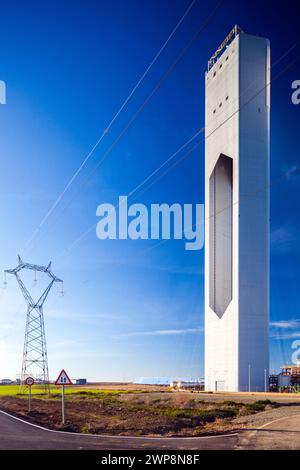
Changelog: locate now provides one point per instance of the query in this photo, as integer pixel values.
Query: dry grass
(130, 411)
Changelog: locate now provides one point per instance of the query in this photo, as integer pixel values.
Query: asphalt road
(19, 435)
(279, 434)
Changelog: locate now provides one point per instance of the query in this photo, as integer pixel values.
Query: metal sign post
(29, 381)
(63, 379)
(29, 398)
(63, 403)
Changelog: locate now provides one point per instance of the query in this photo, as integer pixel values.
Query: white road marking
(115, 437)
(271, 422)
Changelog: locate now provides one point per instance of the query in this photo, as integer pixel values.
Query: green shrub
(254, 407)
(231, 403)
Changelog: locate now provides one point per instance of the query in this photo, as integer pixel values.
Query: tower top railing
(231, 36)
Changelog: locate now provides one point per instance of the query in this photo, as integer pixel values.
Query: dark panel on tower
(220, 229)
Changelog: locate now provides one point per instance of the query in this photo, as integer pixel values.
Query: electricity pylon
(35, 360)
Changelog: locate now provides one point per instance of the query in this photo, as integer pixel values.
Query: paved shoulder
(279, 434)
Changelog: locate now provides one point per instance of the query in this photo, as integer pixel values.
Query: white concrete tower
(237, 114)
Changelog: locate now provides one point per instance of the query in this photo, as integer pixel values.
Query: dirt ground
(122, 416)
(129, 409)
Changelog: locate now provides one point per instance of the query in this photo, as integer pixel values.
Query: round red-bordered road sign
(29, 381)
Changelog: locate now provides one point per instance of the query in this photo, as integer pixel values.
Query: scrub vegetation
(129, 411)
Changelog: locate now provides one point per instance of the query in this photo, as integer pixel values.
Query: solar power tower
(35, 360)
(237, 207)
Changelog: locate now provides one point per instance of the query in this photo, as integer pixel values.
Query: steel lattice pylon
(35, 360)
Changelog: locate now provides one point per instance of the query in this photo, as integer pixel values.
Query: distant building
(187, 385)
(168, 381)
(273, 383)
(287, 381)
(289, 377)
(153, 381)
(6, 382)
(80, 381)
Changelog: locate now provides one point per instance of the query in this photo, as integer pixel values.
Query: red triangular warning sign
(63, 379)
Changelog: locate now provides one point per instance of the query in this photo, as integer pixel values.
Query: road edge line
(252, 433)
(111, 436)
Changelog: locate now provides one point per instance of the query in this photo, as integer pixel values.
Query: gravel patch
(257, 420)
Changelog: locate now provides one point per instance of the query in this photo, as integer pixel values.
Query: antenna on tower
(35, 359)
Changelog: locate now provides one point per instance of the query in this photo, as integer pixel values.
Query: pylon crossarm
(33, 267)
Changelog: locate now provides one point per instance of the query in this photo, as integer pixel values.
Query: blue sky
(131, 308)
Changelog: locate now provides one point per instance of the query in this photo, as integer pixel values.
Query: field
(37, 390)
(127, 409)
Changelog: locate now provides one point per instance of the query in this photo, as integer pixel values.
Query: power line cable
(106, 130)
(290, 65)
(212, 132)
(141, 108)
(172, 156)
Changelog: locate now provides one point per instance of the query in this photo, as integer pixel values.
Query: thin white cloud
(291, 335)
(282, 235)
(284, 238)
(285, 324)
(162, 332)
(292, 172)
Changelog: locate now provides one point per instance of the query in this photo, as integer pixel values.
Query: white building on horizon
(237, 114)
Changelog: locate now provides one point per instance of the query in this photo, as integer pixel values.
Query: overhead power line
(132, 192)
(106, 130)
(284, 70)
(202, 27)
(171, 157)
